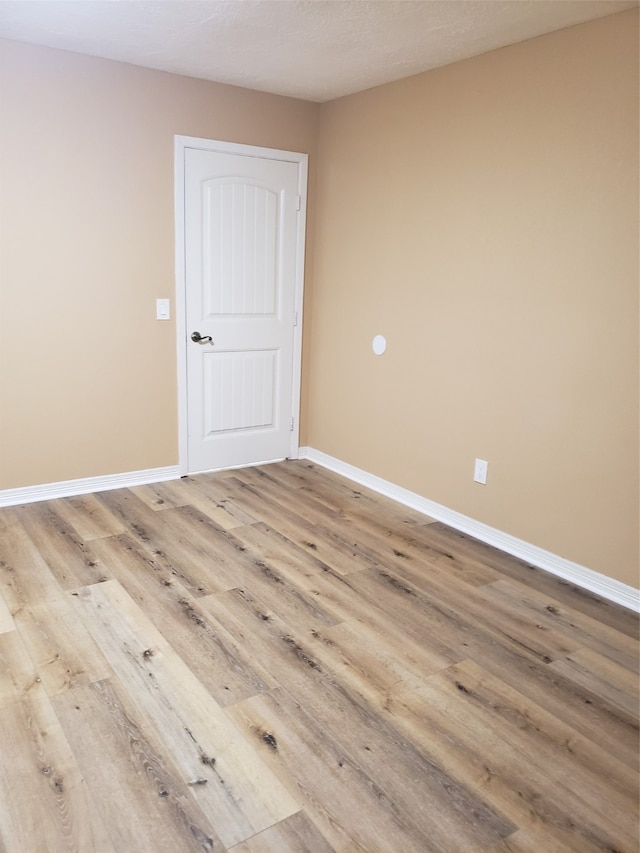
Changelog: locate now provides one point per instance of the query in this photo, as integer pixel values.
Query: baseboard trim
(581, 576)
(69, 488)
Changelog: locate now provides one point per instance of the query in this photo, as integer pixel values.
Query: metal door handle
(197, 338)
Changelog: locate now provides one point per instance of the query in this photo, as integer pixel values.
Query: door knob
(197, 338)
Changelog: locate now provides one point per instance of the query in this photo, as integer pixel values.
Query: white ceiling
(312, 49)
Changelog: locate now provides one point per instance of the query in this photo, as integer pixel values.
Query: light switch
(163, 309)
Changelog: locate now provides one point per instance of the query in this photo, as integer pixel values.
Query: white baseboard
(68, 488)
(602, 585)
(581, 576)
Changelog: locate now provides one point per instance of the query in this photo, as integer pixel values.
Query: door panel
(241, 390)
(240, 265)
(239, 257)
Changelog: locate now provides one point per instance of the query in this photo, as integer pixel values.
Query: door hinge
(299, 202)
(292, 425)
(295, 318)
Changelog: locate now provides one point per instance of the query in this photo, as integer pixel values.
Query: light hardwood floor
(273, 659)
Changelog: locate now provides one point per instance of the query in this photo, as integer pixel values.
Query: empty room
(319, 426)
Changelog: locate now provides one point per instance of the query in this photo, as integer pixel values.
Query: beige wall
(88, 376)
(484, 218)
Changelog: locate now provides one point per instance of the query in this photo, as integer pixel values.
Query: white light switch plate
(163, 309)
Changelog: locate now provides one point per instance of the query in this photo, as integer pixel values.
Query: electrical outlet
(480, 471)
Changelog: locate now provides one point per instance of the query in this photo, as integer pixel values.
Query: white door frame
(182, 143)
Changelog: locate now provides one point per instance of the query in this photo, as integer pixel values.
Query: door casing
(302, 160)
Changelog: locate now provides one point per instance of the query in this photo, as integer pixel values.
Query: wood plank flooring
(273, 660)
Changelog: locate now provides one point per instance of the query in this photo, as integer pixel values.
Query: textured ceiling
(312, 49)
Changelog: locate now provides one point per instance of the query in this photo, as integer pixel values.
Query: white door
(242, 266)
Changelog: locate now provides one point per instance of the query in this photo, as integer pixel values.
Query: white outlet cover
(480, 471)
(379, 344)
